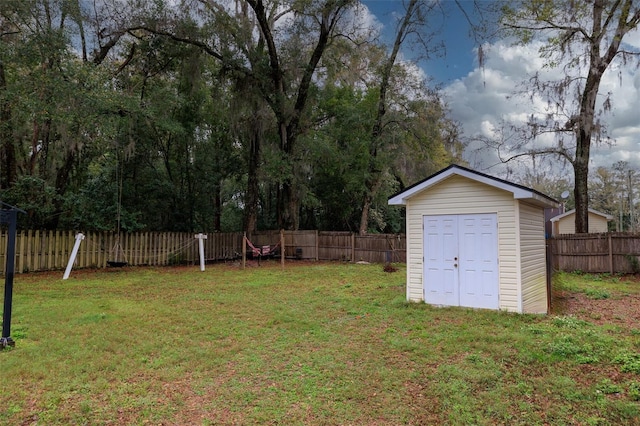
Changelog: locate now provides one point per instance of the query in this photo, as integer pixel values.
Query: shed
(566, 223)
(476, 241)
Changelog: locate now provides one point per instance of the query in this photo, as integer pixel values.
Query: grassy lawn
(317, 344)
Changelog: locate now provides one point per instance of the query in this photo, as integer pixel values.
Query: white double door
(461, 260)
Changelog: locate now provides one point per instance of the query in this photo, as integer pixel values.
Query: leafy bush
(607, 387)
(634, 391)
(597, 294)
(569, 322)
(37, 198)
(629, 361)
(565, 347)
(634, 263)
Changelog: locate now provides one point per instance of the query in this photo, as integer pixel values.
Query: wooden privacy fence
(50, 250)
(612, 252)
(345, 246)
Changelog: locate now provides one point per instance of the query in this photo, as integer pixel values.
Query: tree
(8, 162)
(415, 17)
(586, 39)
(279, 60)
(187, 115)
(548, 181)
(250, 122)
(611, 190)
(339, 156)
(51, 99)
(416, 139)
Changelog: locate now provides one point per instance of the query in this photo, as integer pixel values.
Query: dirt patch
(616, 308)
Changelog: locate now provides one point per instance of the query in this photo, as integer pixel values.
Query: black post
(10, 217)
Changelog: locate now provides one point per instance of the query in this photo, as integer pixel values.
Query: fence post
(353, 247)
(282, 248)
(244, 250)
(610, 254)
(23, 238)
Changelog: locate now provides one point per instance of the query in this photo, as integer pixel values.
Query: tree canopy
(209, 115)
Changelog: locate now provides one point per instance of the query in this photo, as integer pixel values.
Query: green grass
(310, 344)
(596, 286)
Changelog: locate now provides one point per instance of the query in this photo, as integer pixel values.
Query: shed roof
(519, 192)
(570, 212)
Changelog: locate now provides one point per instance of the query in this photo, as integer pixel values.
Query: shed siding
(533, 259)
(459, 195)
(567, 224)
(597, 223)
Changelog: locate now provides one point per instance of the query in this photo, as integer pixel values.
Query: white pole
(201, 237)
(74, 253)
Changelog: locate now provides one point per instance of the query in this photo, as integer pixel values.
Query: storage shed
(476, 241)
(566, 223)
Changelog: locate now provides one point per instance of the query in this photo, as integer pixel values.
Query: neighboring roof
(570, 212)
(519, 192)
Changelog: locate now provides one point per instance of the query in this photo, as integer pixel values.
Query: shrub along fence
(50, 250)
(611, 252)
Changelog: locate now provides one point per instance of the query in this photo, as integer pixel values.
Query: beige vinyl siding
(508, 248)
(533, 259)
(415, 291)
(567, 224)
(597, 223)
(459, 195)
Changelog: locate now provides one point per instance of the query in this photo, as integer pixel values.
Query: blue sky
(459, 57)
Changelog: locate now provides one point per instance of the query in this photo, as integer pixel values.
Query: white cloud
(365, 19)
(633, 38)
(486, 96)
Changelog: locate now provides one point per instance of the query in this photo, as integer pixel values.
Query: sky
(458, 56)
(479, 98)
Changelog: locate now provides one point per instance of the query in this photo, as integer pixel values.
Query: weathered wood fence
(50, 250)
(612, 252)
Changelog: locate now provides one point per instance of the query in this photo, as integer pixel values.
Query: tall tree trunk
(597, 66)
(374, 181)
(288, 206)
(586, 122)
(253, 188)
(288, 203)
(581, 195)
(581, 162)
(62, 183)
(217, 207)
(372, 190)
(45, 145)
(35, 137)
(8, 163)
(76, 12)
